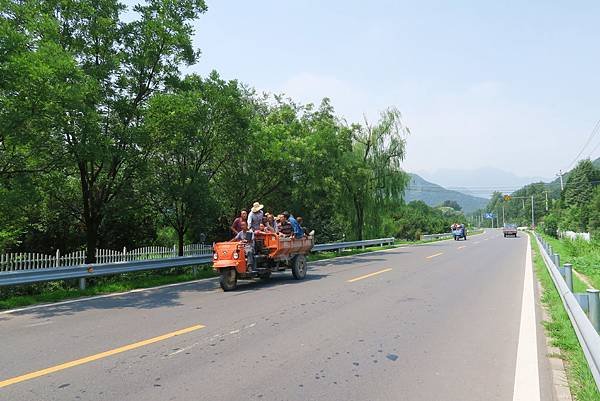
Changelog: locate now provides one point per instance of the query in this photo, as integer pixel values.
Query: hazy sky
(513, 85)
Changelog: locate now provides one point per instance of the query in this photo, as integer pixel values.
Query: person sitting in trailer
(296, 228)
(284, 226)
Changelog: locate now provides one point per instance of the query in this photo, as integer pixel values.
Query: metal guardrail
(98, 269)
(574, 305)
(84, 271)
(427, 237)
(353, 244)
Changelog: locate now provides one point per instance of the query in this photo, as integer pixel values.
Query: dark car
(510, 230)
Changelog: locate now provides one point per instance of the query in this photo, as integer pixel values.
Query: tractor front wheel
(228, 279)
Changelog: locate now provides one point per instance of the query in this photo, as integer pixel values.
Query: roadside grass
(578, 285)
(583, 255)
(560, 330)
(55, 291)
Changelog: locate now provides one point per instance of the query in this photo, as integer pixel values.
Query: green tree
(580, 184)
(453, 204)
(195, 132)
(594, 208)
(79, 78)
(373, 180)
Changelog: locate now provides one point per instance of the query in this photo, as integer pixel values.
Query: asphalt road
(436, 322)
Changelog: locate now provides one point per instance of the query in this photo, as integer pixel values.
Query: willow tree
(372, 177)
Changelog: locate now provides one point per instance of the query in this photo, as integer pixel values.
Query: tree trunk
(180, 235)
(360, 219)
(91, 215)
(91, 242)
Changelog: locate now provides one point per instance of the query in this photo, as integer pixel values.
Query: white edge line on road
(527, 377)
(115, 294)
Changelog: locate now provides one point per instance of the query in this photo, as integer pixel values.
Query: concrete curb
(562, 391)
(560, 382)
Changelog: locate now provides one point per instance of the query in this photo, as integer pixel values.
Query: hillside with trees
(575, 208)
(432, 194)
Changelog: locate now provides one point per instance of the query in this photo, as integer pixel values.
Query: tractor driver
(247, 238)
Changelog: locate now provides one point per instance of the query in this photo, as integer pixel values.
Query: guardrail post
(594, 308)
(82, 283)
(557, 259)
(550, 249)
(569, 276)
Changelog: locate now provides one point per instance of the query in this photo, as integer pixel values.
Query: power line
(594, 150)
(592, 135)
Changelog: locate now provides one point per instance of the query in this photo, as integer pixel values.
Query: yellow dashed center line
(434, 255)
(369, 275)
(95, 357)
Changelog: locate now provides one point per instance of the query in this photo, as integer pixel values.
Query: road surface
(451, 320)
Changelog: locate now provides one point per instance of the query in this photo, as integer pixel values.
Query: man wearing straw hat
(255, 217)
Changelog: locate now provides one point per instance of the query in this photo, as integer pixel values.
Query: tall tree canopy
(77, 79)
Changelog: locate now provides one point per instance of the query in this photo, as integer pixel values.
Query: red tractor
(272, 253)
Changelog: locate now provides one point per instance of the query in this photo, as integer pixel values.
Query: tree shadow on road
(165, 297)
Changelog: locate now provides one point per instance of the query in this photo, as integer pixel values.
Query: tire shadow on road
(276, 280)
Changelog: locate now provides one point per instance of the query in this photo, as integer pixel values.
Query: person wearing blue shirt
(298, 231)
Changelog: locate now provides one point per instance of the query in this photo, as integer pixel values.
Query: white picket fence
(30, 261)
(573, 235)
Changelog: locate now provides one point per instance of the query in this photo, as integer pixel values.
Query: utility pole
(532, 214)
(560, 175)
(546, 192)
(503, 222)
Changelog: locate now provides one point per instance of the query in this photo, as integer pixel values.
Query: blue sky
(511, 85)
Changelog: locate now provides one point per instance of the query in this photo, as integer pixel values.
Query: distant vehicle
(272, 253)
(510, 230)
(459, 231)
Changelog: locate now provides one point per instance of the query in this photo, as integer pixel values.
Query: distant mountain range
(434, 195)
(480, 182)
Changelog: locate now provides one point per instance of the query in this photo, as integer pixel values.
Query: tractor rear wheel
(299, 267)
(228, 279)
